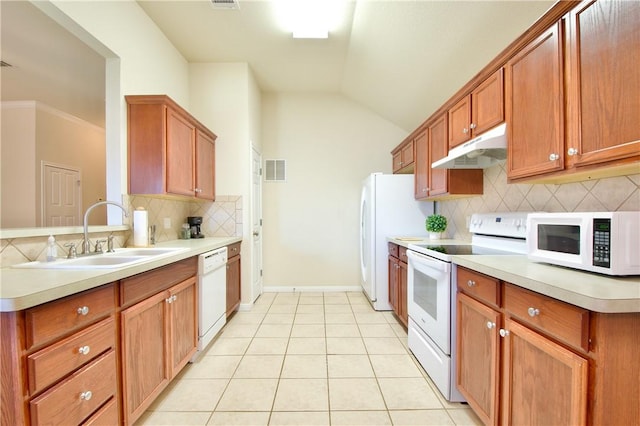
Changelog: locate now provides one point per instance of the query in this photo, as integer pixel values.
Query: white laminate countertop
(596, 292)
(22, 288)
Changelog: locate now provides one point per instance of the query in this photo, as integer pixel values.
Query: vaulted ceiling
(402, 59)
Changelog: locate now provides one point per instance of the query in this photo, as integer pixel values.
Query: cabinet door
(233, 284)
(180, 154)
(438, 149)
(459, 121)
(534, 107)
(478, 357)
(543, 383)
(403, 313)
(407, 154)
(487, 104)
(393, 283)
(604, 89)
(183, 330)
(145, 364)
(422, 166)
(205, 166)
(397, 161)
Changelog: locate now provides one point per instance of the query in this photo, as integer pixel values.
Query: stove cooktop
(444, 251)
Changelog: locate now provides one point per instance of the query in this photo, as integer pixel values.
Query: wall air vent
(225, 4)
(275, 170)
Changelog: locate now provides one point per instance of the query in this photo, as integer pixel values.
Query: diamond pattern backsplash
(620, 193)
(222, 218)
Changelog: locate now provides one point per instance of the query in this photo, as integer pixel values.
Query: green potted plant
(436, 225)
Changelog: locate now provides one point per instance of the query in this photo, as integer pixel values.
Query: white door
(61, 195)
(256, 219)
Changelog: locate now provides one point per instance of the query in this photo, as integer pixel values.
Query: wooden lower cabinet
(523, 358)
(233, 278)
(159, 336)
(398, 282)
(543, 382)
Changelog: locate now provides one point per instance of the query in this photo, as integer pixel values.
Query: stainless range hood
(486, 150)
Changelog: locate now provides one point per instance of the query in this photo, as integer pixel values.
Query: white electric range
(431, 289)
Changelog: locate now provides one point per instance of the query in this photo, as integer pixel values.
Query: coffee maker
(195, 222)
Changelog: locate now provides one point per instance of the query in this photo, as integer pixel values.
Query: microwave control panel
(602, 243)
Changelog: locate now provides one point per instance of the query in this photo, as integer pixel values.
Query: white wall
(224, 98)
(140, 61)
(311, 221)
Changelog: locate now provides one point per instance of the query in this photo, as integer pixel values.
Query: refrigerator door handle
(362, 233)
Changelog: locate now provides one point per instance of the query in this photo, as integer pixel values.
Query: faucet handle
(72, 250)
(99, 246)
(110, 243)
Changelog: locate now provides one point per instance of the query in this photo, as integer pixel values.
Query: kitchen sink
(120, 258)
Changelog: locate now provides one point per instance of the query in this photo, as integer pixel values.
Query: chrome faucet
(86, 244)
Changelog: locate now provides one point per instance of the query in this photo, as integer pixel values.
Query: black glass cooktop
(467, 249)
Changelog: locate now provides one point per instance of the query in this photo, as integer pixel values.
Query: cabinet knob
(471, 283)
(503, 332)
(533, 312)
(424, 189)
(465, 130)
(84, 350)
(84, 310)
(86, 395)
(197, 190)
(491, 325)
(572, 151)
(553, 157)
(472, 126)
(171, 299)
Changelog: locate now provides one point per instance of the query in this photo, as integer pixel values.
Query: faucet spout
(86, 244)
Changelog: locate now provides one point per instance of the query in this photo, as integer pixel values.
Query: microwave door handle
(429, 261)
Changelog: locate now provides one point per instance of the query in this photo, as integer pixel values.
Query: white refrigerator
(387, 209)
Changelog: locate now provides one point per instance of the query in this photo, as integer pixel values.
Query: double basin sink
(118, 259)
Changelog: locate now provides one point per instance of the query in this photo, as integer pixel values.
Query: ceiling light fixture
(309, 18)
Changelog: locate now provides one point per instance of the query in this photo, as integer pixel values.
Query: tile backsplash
(222, 218)
(620, 193)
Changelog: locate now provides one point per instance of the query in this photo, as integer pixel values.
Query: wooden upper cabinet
(205, 166)
(437, 150)
(180, 154)
(170, 152)
(604, 88)
(477, 112)
(535, 107)
(403, 157)
(422, 165)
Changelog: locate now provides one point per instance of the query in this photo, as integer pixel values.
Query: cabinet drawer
(47, 322)
(233, 249)
(403, 254)
(482, 287)
(142, 286)
(69, 402)
(393, 250)
(56, 361)
(565, 322)
(107, 415)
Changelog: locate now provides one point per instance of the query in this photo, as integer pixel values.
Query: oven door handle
(430, 262)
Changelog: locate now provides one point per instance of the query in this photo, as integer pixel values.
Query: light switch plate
(167, 223)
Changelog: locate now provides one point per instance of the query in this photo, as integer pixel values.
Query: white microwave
(602, 242)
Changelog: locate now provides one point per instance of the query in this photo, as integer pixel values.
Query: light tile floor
(307, 359)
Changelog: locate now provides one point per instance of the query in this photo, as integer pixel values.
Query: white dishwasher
(212, 296)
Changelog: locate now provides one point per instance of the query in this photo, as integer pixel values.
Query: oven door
(429, 297)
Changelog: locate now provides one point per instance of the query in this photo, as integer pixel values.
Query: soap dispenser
(52, 250)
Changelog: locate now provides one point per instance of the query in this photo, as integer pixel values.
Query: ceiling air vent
(225, 4)
(275, 170)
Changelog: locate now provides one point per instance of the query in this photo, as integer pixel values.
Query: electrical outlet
(167, 223)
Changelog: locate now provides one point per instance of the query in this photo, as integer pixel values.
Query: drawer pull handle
(471, 283)
(86, 395)
(533, 312)
(490, 325)
(171, 299)
(83, 310)
(84, 350)
(503, 332)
